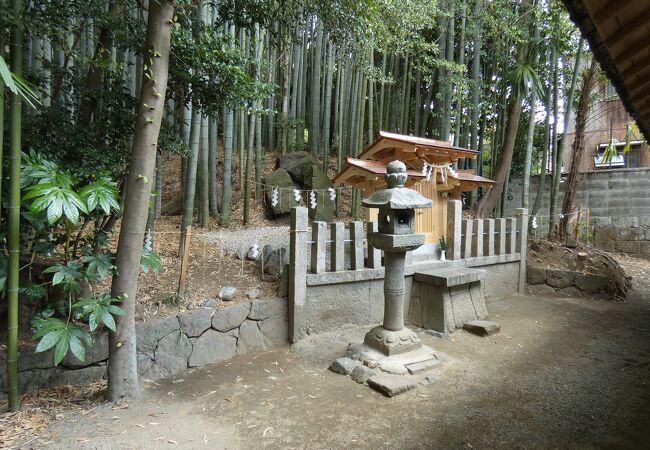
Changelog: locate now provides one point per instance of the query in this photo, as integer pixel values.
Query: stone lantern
(395, 237)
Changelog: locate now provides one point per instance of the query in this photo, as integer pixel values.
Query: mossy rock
(296, 164)
(318, 180)
(279, 178)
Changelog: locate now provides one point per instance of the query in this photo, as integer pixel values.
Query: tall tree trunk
(327, 115)
(448, 87)
(418, 103)
(530, 136)
(204, 206)
(157, 204)
(123, 380)
(286, 63)
(461, 62)
(228, 142)
(190, 175)
(251, 133)
(259, 43)
(295, 90)
(337, 93)
(393, 94)
(95, 74)
(302, 97)
(2, 116)
(314, 125)
(553, 154)
(213, 147)
(541, 187)
(568, 107)
(403, 107)
(371, 101)
(487, 203)
(440, 78)
(13, 235)
(588, 83)
(382, 92)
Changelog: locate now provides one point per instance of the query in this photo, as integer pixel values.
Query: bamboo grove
(246, 78)
(246, 83)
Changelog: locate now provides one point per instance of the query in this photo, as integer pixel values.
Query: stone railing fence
(485, 238)
(334, 275)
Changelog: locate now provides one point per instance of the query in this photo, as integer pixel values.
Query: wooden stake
(184, 260)
(577, 225)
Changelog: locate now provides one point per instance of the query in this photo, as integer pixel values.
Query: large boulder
(318, 180)
(296, 164)
(279, 178)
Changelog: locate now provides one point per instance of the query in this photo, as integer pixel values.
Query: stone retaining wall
(623, 234)
(564, 282)
(165, 346)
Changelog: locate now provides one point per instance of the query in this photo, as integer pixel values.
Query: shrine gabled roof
(374, 167)
(389, 146)
(360, 173)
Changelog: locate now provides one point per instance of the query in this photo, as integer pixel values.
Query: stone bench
(444, 300)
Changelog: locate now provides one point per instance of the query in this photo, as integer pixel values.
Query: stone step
(391, 385)
(423, 366)
(482, 327)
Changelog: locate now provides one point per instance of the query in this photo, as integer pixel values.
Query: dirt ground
(563, 373)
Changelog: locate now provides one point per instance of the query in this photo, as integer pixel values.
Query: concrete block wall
(618, 201)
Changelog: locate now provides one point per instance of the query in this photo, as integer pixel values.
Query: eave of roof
(580, 15)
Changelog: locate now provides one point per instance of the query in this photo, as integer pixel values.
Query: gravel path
(563, 373)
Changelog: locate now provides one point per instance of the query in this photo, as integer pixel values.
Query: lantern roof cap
(396, 196)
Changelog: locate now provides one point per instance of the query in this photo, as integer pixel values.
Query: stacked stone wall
(165, 346)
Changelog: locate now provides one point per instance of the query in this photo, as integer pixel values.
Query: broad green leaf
(57, 278)
(77, 348)
(48, 341)
(61, 347)
(150, 261)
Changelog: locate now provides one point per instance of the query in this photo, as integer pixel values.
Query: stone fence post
(374, 254)
(297, 272)
(356, 246)
(454, 224)
(522, 245)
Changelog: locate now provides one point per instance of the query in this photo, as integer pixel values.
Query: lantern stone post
(395, 236)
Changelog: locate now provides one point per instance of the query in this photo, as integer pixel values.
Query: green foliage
(56, 201)
(150, 261)
(63, 336)
(442, 243)
(68, 275)
(64, 211)
(213, 74)
(99, 310)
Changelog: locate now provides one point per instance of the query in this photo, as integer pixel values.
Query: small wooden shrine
(430, 171)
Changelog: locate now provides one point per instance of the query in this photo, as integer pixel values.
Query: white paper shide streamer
(296, 195)
(332, 194)
(312, 200)
(275, 197)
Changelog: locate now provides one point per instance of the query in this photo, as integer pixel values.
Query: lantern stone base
(390, 375)
(392, 342)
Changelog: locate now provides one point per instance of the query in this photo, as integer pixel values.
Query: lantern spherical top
(396, 174)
